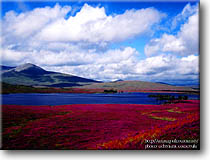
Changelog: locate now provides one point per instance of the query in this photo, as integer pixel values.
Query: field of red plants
(102, 126)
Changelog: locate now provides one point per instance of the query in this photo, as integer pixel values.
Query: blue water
(66, 98)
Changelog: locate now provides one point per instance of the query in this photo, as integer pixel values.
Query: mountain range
(31, 75)
(138, 86)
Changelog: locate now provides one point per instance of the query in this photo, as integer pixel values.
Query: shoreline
(101, 92)
(174, 102)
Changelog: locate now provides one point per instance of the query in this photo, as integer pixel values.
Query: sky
(105, 40)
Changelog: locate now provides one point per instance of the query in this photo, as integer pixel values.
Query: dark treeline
(168, 97)
(110, 91)
(10, 88)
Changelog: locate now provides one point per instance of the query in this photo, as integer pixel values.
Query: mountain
(165, 83)
(5, 68)
(119, 80)
(31, 75)
(135, 86)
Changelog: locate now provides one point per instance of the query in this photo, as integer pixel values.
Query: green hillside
(32, 75)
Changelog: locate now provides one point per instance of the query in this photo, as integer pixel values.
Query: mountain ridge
(32, 75)
(135, 86)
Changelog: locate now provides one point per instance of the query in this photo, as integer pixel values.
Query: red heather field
(99, 126)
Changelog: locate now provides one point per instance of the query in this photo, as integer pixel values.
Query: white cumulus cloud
(17, 27)
(93, 25)
(79, 44)
(187, 11)
(185, 42)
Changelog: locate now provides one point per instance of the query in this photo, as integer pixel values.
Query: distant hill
(119, 80)
(10, 88)
(137, 86)
(165, 83)
(32, 75)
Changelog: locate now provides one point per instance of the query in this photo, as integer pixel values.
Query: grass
(97, 126)
(162, 118)
(174, 110)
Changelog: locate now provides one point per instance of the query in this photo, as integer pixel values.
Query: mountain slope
(32, 75)
(5, 68)
(137, 86)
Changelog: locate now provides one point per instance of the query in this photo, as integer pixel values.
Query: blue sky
(152, 41)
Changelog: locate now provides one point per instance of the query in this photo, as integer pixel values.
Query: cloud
(188, 11)
(93, 25)
(12, 57)
(158, 68)
(185, 42)
(107, 65)
(79, 44)
(17, 27)
(167, 43)
(112, 64)
(90, 24)
(77, 40)
(47, 33)
(168, 67)
(162, 63)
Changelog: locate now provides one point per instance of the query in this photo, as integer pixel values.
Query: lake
(66, 98)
